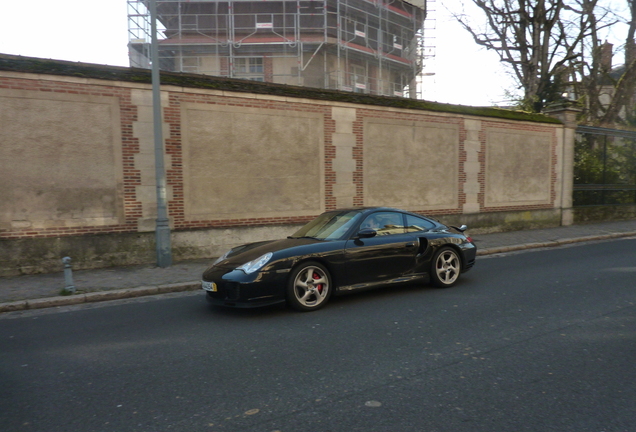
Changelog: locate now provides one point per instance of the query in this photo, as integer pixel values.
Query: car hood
(248, 252)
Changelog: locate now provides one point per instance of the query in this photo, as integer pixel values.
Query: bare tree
(606, 94)
(625, 83)
(555, 46)
(528, 38)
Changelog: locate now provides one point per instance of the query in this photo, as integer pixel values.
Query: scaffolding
(366, 46)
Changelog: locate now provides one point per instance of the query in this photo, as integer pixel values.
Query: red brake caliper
(316, 276)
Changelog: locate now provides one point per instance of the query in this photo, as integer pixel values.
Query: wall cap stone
(40, 66)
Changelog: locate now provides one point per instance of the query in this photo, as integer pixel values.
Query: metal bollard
(68, 275)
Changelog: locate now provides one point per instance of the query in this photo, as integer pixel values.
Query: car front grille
(232, 291)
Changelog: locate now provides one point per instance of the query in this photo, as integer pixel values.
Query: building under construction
(368, 46)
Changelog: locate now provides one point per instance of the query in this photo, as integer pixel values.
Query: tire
(446, 267)
(309, 287)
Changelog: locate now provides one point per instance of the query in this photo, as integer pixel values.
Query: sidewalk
(42, 291)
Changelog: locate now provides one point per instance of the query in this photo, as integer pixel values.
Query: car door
(384, 257)
(419, 228)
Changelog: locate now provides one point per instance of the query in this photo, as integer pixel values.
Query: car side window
(415, 224)
(385, 223)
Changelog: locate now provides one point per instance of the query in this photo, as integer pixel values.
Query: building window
(358, 79)
(190, 64)
(248, 66)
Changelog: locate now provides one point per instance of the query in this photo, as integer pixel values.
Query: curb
(99, 296)
(553, 243)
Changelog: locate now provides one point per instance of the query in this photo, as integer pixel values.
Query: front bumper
(234, 288)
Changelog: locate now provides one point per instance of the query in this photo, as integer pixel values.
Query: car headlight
(252, 266)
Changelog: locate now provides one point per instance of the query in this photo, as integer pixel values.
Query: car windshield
(329, 226)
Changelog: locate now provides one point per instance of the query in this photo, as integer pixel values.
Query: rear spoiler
(460, 228)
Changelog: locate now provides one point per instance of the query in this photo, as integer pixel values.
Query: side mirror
(367, 233)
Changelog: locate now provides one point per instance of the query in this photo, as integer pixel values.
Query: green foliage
(589, 161)
(608, 166)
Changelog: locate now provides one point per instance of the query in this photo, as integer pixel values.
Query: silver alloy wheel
(311, 286)
(447, 267)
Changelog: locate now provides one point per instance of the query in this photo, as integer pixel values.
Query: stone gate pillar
(565, 180)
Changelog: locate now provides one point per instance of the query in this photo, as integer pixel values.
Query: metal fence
(604, 167)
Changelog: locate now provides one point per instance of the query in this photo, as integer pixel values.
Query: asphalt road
(533, 341)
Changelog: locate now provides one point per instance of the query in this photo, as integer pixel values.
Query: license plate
(208, 286)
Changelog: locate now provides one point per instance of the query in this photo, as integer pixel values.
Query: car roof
(367, 209)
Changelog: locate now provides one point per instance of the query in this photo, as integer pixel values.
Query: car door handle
(411, 244)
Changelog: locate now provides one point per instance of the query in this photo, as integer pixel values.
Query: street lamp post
(162, 229)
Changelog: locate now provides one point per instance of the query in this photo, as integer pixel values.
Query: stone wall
(77, 159)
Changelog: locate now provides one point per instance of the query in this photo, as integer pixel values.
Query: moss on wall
(44, 255)
(591, 214)
(115, 73)
(484, 223)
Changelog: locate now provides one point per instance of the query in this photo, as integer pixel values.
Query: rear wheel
(446, 267)
(309, 287)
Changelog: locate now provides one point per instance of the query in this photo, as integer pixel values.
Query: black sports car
(340, 251)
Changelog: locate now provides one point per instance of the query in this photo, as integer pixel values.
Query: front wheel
(309, 287)
(446, 268)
